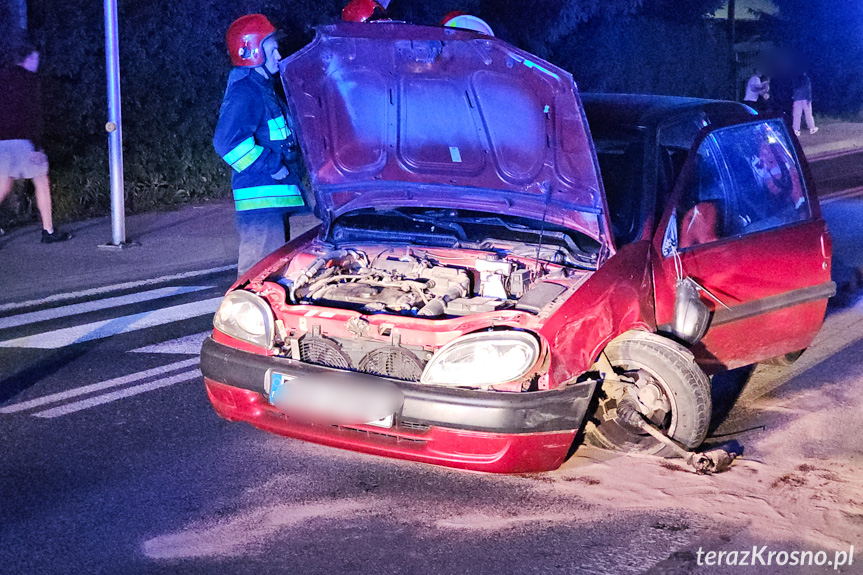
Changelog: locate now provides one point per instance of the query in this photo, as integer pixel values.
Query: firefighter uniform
(254, 137)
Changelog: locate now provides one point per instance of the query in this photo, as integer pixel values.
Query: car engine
(414, 284)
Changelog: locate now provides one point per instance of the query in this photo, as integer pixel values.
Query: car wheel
(787, 359)
(668, 378)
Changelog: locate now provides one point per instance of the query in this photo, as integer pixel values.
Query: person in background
(21, 154)
(757, 91)
(802, 97)
(254, 137)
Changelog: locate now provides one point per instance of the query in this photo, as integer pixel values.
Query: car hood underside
(399, 115)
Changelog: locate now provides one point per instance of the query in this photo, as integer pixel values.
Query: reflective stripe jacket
(254, 137)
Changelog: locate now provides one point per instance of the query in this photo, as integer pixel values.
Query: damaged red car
(492, 278)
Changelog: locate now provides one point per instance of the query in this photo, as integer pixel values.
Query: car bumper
(475, 430)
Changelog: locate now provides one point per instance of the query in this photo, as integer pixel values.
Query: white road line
(111, 327)
(107, 384)
(115, 287)
(119, 394)
(79, 308)
(189, 345)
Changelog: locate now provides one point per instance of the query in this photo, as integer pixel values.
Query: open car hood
(392, 115)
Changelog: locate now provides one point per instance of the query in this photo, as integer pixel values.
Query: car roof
(649, 111)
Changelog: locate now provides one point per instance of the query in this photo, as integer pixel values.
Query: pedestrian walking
(802, 106)
(254, 136)
(21, 153)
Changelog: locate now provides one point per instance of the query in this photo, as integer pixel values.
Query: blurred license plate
(279, 385)
(276, 382)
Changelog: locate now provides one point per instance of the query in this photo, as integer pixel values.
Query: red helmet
(362, 11)
(451, 15)
(244, 38)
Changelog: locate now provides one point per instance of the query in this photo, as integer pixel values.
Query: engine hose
(437, 306)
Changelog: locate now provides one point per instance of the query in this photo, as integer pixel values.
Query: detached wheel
(668, 381)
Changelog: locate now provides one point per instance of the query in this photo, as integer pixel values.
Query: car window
(745, 179)
(681, 133)
(674, 139)
(621, 163)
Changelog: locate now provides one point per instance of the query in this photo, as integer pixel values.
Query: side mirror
(691, 315)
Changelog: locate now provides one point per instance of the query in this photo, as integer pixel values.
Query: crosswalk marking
(189, 345)
(95, 394)
(116, 287)
(79, 308)
(116, 326)
(107, 384)
(119, 394)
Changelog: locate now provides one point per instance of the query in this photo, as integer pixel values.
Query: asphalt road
(115, 463)
(838, 174)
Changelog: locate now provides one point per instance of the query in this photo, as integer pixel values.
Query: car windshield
(506, 235)
(621, 161)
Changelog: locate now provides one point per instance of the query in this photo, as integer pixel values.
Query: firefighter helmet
(459, 19)
(244, 38)
(362, 11)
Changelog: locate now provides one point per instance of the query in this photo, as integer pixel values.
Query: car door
(745, 226)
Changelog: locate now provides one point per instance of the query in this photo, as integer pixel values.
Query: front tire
(651, 360)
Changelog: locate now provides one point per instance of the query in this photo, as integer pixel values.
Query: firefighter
(255, 138)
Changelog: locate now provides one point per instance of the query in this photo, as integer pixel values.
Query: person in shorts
(21, 154)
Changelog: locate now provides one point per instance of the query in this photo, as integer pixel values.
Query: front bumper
(467, 429)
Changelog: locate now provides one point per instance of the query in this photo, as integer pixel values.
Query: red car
(478, 294)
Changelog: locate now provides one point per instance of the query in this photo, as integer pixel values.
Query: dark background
(174, 66)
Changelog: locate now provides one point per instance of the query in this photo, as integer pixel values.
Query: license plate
(279, 384)
(275, 381)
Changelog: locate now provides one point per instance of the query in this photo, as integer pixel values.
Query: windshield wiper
(342, 233)
(433, 221)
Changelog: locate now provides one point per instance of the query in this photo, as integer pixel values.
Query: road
(839, 174)
(114, 462)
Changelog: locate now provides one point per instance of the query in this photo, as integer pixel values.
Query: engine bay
(409, 281)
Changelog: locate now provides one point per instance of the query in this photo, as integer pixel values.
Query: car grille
(413, 425)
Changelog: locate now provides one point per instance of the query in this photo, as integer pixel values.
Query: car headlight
(483, 359)
(246, 317)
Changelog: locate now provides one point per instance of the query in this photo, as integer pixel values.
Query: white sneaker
(813, 130)
(797, 133)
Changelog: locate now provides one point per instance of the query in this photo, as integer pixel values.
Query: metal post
(732, 39)
(114, 127)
